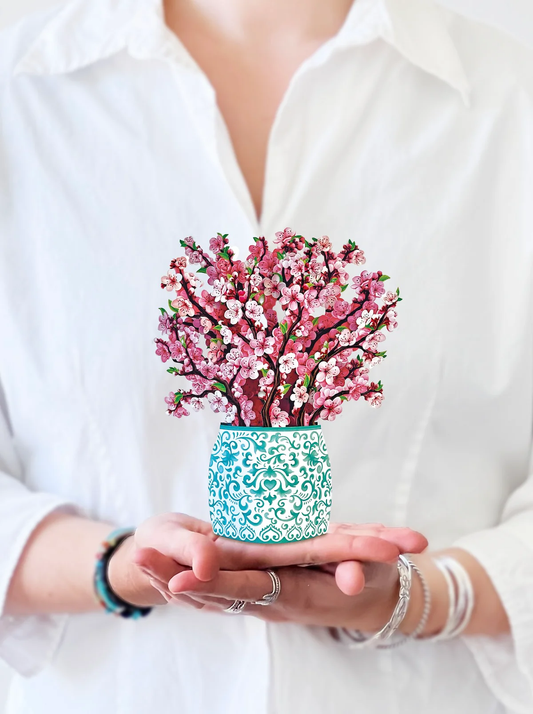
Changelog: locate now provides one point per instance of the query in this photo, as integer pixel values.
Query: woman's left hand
(309, 595)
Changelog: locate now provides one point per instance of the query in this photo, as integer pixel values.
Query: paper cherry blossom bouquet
(274, 343)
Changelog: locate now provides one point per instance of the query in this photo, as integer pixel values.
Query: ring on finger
(271, 597)
(236, 607)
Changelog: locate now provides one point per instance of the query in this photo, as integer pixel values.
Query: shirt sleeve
(506, 553)
(26, 643)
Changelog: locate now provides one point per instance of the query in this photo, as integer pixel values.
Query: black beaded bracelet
(105, 595)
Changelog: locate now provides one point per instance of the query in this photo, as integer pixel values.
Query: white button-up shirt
(409, 132)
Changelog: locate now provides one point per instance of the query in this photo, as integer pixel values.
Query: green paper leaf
(170, 306)
(343, 398)
(163, 311)
(307, 380)
(285, 388)
(220, 386)
(344, 287)
(382, 278)
(293, 338)
(178, 396)
(316, 320)
(173, 370)
(284, 327)
(202, 270)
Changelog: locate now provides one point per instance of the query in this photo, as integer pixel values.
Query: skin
(249, 49)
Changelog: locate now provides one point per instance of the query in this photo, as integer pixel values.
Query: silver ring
(236, 607)
(271, 597)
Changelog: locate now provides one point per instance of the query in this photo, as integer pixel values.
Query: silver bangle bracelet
(423, 619)
(427, 605)
(461, 598)
(355, 639)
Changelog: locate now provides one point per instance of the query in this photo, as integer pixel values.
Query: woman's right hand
(168, 544)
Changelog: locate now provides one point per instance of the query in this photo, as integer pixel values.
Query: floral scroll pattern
(269, 485)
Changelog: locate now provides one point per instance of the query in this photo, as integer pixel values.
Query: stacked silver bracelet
(357, 640)
(461, 599)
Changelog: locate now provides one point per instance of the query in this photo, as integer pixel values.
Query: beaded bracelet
(105, 596)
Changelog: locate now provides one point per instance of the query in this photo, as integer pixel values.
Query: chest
(99, 213)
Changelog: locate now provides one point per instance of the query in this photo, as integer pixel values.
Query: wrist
(127, 581)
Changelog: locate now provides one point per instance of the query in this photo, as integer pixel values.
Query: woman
(127, 125)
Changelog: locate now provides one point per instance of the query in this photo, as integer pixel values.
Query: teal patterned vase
(269, 484)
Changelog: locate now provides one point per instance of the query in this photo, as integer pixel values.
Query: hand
(309, 596)
(169, 544)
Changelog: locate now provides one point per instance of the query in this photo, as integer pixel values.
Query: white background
(514, 16)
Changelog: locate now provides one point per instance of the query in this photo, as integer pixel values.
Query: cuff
(27, 643)
(506, 662)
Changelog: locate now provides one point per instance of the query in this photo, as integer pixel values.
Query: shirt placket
(152, 39)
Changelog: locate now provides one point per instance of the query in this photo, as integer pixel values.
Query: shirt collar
(84, 32)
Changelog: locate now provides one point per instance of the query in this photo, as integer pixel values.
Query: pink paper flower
(271, 286)
(217, 401)
(255, 312)
(247, 410)
(375, 399)
(291, 297)
(238, 329)
(279, 417)
(327, 371)
(287, 363)
(299, 396)
(262, 344)
(324, 243)
(332, 409)
(216, 244)
(233, 311)
(183, 307)
(162, 350)
(170, 281)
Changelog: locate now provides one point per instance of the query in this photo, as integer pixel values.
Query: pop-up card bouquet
(273, 343)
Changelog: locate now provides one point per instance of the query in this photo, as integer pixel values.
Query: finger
(218, 603)
(160, 589)
(195, 525)
(247, 585)
(350, 577)
(187, 601)
(151, 561)
(188, 547)
(175, 599)
(406, 539)
(329, 548)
